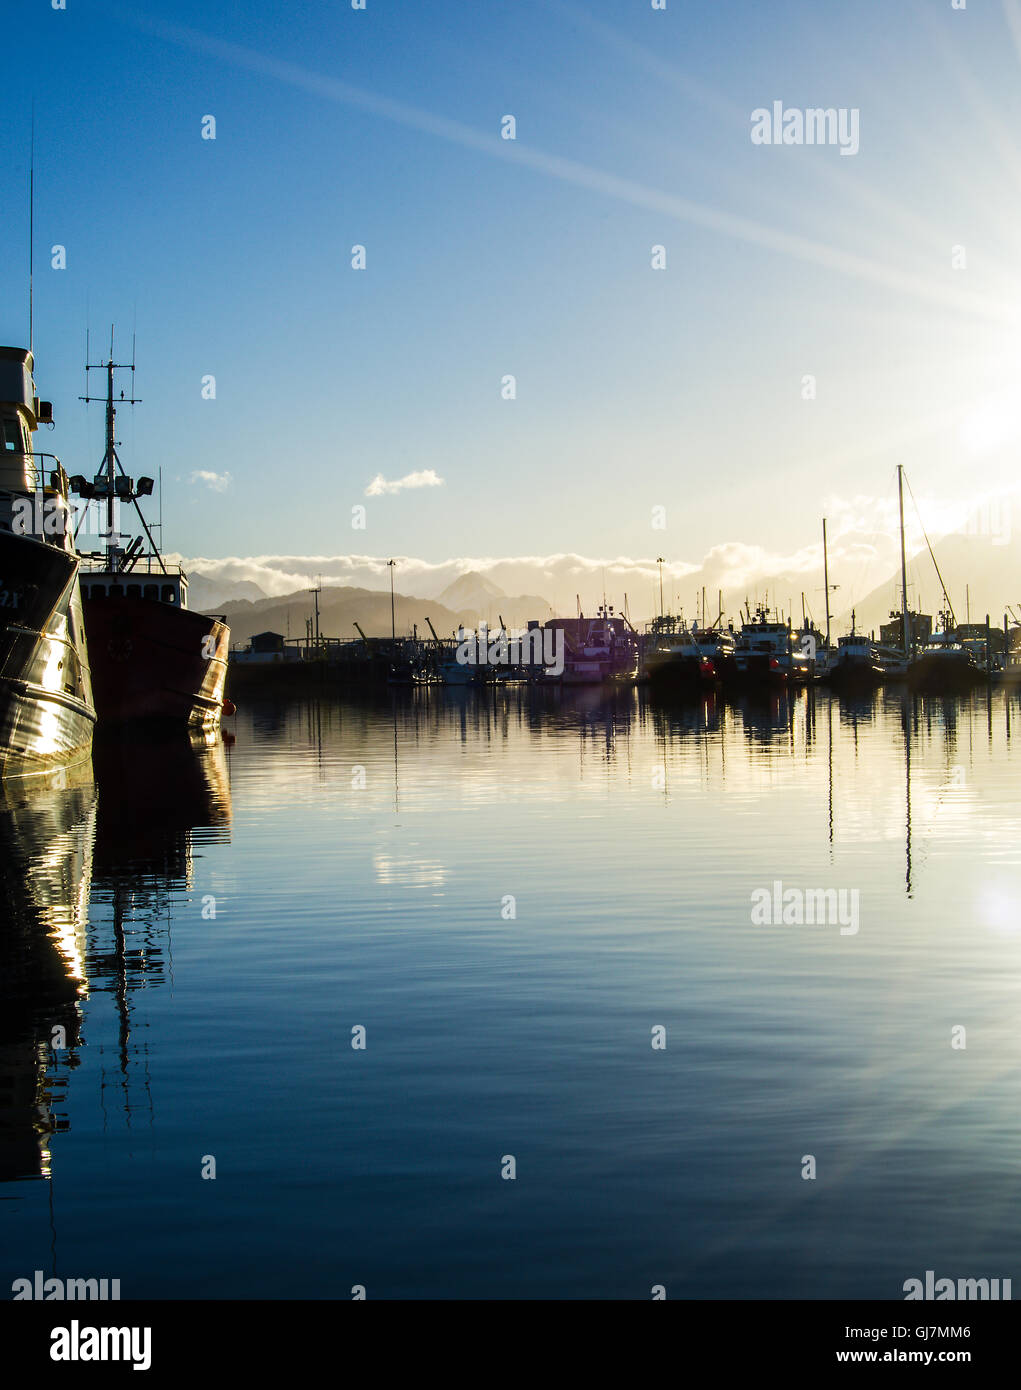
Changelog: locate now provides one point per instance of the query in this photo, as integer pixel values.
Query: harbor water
(513, 993)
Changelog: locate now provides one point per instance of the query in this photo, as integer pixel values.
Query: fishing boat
(47, 714)
(941, 663)
(152, 657)
(669, 656)
(945, 665)
(461, 660)
(856, 663)
(718, 649)
(765, 652)
(678, 657)
(596, 650)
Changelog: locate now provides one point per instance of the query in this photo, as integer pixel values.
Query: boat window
(97, 591)
(169, 593)
(10, 435)
(116, 590)
(134, 591)
(151, 591)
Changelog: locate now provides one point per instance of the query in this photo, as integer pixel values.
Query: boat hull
(153, 661)
(763, 669)
(939, 675)
(668, 671)
(47, 714)
(855, 676)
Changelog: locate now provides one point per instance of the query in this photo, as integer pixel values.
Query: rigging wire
(946, 596)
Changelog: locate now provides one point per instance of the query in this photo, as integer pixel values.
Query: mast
(31, 231)
(903, 565)
(105, 486)
(316, 590)
(111, 544)
(826, 579)
(393, 618)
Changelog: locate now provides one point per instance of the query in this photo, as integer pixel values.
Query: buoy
(229, 707)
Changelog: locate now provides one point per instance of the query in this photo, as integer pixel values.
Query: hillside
(341, 608)
(979, 563)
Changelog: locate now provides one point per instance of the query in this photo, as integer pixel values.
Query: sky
(658, 411)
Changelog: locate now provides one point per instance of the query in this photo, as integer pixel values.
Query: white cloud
(217, 482)
(380, 486)
(863, 554)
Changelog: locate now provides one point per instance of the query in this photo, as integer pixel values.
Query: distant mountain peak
(205, 592)
(470, 589)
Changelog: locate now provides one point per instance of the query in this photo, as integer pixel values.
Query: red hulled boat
(152, 657)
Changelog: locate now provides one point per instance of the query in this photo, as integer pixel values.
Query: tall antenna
(31, 227)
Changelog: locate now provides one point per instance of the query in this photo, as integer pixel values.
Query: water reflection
(47, 829)
(735, 742)
(89, 870)
(373, 847)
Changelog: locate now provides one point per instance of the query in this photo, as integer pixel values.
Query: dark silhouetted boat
(944, 665)
(766, 653)
(856, 663)
(688, 658)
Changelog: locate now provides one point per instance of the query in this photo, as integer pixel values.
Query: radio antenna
(31, 226)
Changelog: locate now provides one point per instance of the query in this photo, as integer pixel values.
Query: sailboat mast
(826, 579)
(903, 564)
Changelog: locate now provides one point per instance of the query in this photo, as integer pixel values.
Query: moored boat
(944, 666)
(856, 663)
(678, 657)
(152, 657)
(47, 714)
(766, 655)
(596, 650)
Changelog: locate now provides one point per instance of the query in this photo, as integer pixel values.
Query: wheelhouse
(171, 589)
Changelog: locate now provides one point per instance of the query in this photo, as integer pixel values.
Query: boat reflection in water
(89, 869)
(47, 830)
(157, 797)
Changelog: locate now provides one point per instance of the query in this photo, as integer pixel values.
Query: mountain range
(468, 600)
(979, 570)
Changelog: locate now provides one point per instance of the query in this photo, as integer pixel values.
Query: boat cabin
(156, 587)
(32, 501)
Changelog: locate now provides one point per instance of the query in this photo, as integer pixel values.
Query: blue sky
(679, 388)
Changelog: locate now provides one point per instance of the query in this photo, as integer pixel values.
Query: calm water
(509, 893)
